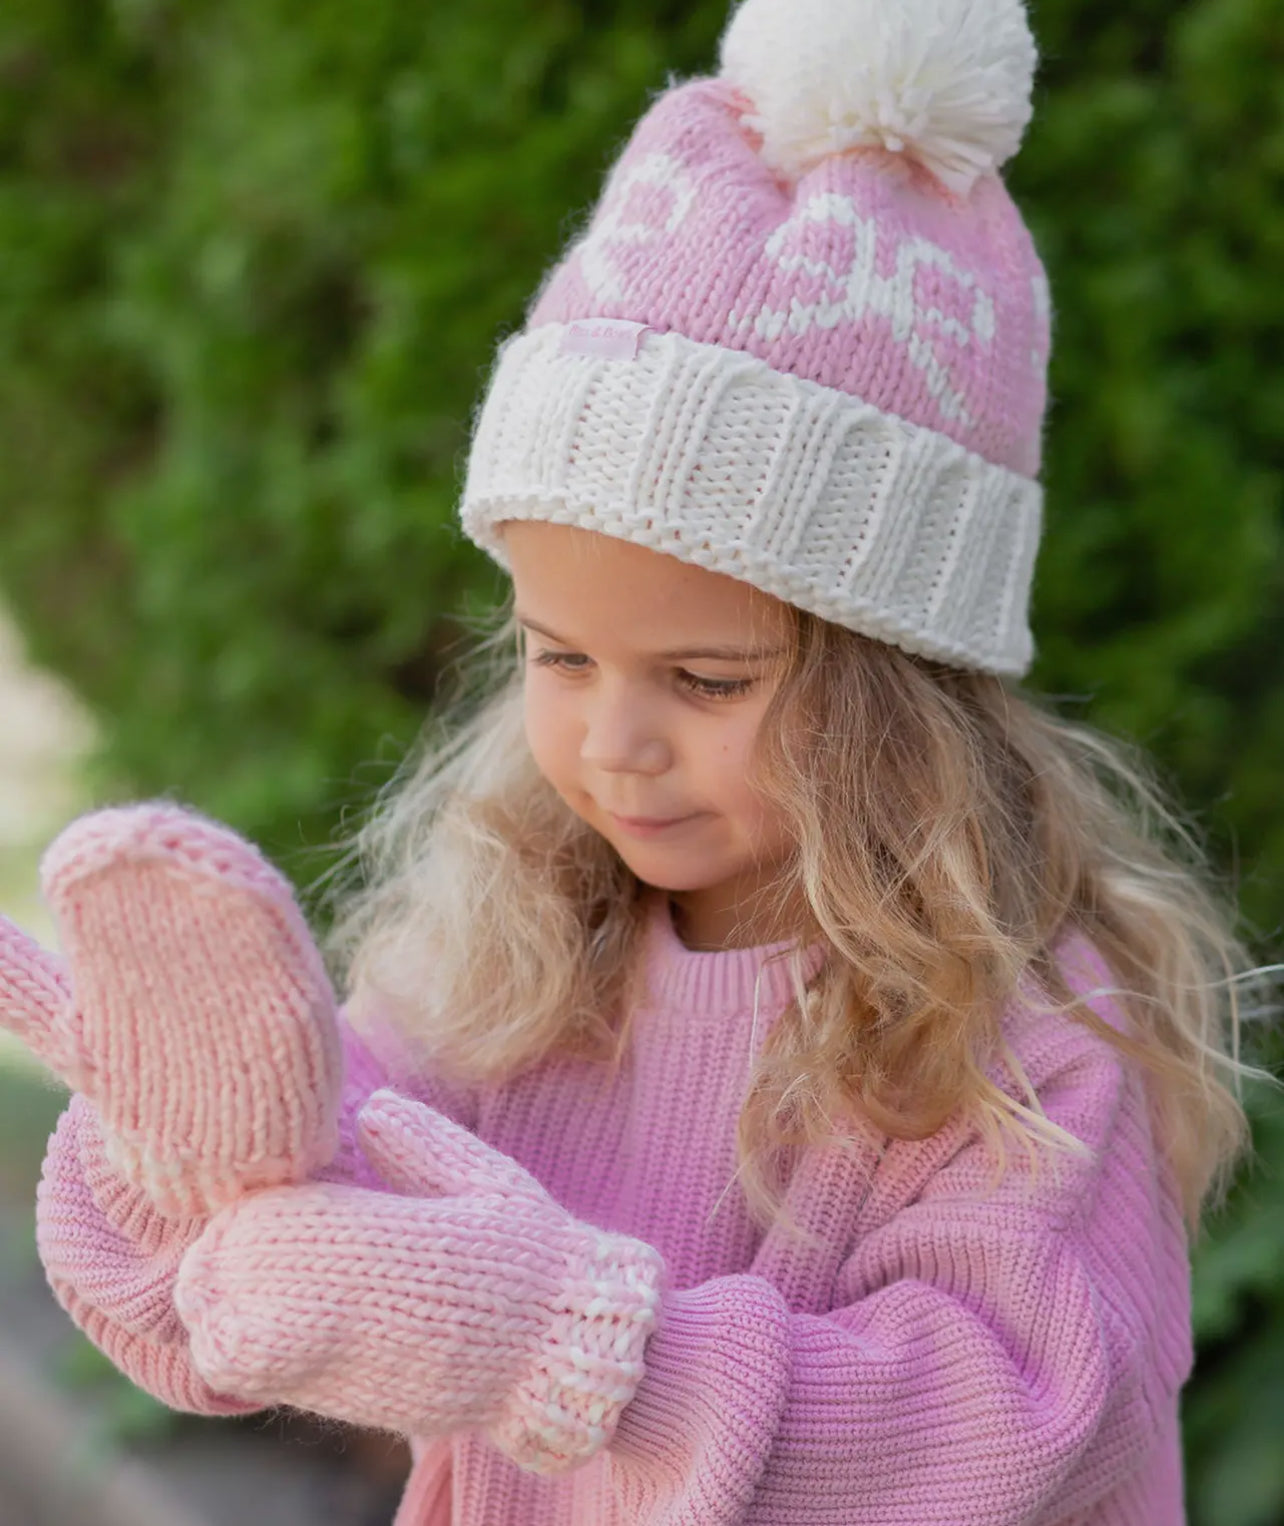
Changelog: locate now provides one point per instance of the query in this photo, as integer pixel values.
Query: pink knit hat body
(866, 275)
(830, 384)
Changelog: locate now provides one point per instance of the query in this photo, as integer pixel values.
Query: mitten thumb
(34, 991)
(422, 1153)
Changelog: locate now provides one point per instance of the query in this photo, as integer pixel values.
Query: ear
(421, 1152)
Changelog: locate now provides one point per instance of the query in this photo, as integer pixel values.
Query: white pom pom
(946, 82)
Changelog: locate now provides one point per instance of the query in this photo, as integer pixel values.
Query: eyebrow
(683, 654)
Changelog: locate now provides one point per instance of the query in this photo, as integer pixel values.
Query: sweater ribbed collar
(722, 980)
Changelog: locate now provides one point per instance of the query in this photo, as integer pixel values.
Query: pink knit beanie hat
(804, 339)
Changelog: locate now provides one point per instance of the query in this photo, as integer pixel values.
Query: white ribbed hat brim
(710, 455)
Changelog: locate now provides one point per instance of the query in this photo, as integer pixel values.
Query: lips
(647, 826)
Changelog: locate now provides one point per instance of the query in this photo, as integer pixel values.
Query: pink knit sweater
(949, 1352)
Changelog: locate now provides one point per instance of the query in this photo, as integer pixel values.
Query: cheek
(548, 732)
(729, 766)
(734, 749)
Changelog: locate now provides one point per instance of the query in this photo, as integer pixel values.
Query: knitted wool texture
(946, 1351)
(111, 1257)
(829, 384)
(194, 1012)
(206, 1042)
(487, 1306)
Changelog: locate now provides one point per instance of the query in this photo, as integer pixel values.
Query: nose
(623, 735)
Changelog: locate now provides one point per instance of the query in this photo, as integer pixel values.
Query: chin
(670, 878)
(671, 884)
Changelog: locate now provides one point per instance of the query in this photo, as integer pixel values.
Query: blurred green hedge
(256, 255)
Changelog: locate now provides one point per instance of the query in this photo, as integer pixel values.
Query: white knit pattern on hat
(712, 456)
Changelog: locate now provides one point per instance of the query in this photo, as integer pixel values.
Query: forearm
(918, 1402)
(111, 1257)
(465, 1298)
(164, 1372)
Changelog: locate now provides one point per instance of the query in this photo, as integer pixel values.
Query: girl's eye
(706, 688)
(714, 688)
(572, 661)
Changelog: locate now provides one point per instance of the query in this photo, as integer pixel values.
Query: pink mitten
(193, 1009)
(489, 1306)
(111, 1260)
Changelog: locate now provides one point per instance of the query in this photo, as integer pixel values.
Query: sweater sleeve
(374, 1056)
(990, 1354)
(111, 1257)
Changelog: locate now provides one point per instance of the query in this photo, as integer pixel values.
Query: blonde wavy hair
(950, 830)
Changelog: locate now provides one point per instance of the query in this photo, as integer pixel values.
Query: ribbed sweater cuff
(717, 1374)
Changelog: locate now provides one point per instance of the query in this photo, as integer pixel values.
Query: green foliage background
(254, 259)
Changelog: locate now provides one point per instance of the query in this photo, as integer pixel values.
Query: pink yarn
(944, 1349)
(473, 1300)
(111, 1257)
(831, 388)
(193, 1008)
(866, 275)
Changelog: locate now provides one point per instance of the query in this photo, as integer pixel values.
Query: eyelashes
(705, 688)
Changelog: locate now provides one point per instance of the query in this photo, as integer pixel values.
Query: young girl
(777, 1081)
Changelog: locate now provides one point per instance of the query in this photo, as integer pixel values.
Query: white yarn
(710, 455)
(947, 82)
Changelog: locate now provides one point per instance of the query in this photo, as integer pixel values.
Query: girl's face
(646, 681)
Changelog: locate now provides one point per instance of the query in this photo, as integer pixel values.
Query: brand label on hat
(611, 338)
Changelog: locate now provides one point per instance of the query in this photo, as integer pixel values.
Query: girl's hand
(111, 1256)
(111, 1259)
(193, 1009)
(478, 1303)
